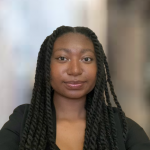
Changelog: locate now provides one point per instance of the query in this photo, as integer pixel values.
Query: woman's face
(73, 66)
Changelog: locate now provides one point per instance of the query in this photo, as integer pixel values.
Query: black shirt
(10, 134)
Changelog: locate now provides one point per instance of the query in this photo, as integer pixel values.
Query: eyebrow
(69, 51)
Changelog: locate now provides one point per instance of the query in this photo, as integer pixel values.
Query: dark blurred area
(129, 56)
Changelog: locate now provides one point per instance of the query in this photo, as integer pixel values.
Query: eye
(88, 59)
(62, 58)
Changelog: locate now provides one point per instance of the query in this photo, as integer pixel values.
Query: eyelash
(84, 58)
(60, 57)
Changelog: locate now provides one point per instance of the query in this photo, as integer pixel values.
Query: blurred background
(122, 27)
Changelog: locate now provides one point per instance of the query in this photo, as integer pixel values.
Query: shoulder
(12, 130)
(16, 118)
(21, 109)
(19, 112)
(132, 125)
(136, 136)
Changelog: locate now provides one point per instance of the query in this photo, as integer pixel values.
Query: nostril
(74, 70)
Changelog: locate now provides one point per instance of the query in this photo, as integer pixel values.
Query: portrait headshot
(74, 75)
(70, 106)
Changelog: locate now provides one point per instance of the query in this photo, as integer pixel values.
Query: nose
(74, 67)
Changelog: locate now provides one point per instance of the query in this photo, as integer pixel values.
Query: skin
(70, 65)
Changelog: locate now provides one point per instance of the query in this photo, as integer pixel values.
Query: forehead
(73, 41)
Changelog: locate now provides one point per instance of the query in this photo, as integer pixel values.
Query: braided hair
(100, 132)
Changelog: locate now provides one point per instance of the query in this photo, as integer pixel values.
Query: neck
(69, 109)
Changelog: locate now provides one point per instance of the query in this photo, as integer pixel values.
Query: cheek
(56, 72)
(91, 76)
(92, 73)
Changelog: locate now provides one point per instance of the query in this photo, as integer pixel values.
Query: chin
(75, 95)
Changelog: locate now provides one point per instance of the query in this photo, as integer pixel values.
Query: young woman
(70, 107)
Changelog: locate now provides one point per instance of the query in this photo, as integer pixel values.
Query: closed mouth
(74, 85)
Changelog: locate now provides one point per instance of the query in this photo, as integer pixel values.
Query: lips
(74, 84)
